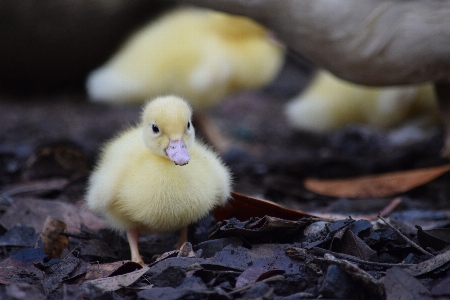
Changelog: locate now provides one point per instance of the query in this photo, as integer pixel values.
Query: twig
(320, 251)
(408, 240)
(372, 217)
(75, 235)
(385, 211)
(78, 245)
(33, 187)
(37, 186)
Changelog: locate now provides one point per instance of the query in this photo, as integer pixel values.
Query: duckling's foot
(133, 236)
(183, 237)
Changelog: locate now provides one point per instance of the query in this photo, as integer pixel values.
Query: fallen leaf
(400, 285)
(172, 276)
(442, 288)
(183, 262)
(19, 236)
(268, 256)
(261, 229)
(20, 264)
(372, 186)
(95, 271)
(254, 274)
(249, 276)
(95, 249)
(170, 293)
(351, 244)
(53, 242)
(259, 290)
(23, 291)
(33, 212)
(430, 264)
(55, 274)
(208, 248)
(244, 207)
(337, 284)
(114, 283)
(371, 284)
(359, 227)
(437, 238)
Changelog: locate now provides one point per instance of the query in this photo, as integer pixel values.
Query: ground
(57, 136)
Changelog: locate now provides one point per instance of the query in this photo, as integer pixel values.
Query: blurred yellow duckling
(156, 177)
(198, 54)
(330, 103)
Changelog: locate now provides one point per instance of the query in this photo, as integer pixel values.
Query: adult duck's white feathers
(372, 42)
(156, 177)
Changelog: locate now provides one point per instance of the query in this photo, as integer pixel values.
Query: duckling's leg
(211, 132)
(133, 236)
(183, 237)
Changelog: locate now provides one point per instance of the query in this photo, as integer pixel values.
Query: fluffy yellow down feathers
(156, 177)
(196, 53)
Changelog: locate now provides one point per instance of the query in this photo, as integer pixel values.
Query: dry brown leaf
(372, 186)
(244, 207)
(53, 242)
(96, 271)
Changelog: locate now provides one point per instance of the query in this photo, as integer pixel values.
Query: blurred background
(49, 46)
(48, 49)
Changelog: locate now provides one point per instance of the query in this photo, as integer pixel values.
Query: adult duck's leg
(133, 236)
(211, 132)
(442, 90)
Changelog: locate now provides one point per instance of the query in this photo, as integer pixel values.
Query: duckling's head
(168, 129)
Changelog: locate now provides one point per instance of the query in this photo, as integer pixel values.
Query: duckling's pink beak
(177, 152)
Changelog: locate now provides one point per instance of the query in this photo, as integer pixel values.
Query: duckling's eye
(189, 125)
(155, 128)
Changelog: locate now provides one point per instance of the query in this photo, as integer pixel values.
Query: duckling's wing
(115, 157)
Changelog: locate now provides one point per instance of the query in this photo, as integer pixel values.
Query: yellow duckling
(156, 177)
(198, 54)
(330, 103)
